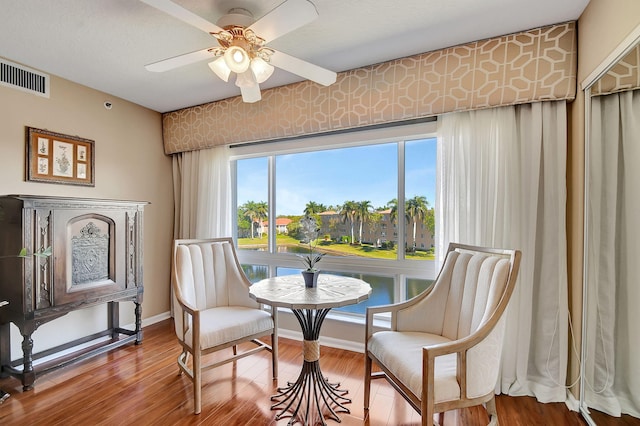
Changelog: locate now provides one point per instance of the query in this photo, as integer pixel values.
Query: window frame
(399, 269)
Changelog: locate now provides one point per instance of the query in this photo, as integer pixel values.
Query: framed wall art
(57, 158)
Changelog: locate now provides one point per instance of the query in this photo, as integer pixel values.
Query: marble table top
(288, 291)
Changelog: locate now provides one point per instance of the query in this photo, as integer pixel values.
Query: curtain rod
(340, 131)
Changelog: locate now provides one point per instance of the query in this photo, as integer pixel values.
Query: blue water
(382, 287)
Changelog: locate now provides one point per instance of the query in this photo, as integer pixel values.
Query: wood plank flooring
(140, 385)
(603, 419)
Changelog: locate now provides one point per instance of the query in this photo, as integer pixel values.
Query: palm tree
(348, 213)
(417, 209)
(393, 214)
(393, 205)
(262, 212)
(363, 213)
(248, 211)
(313, 208)
(255, 212)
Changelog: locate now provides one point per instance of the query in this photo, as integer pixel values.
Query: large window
(373, 201)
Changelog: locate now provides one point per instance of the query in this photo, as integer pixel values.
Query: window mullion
(272, 203)
(400, 217)
(234, 200)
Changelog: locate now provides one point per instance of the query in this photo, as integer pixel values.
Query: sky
(331, 177)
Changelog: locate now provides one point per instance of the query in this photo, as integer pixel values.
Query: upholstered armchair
(213, 310)
(443, 348)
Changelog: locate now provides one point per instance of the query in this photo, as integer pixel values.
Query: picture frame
(57, 158)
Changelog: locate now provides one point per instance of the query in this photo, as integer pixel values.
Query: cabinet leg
(114, 319)
(28, 374)
(5, 347)
(138, 312)
(5, 355)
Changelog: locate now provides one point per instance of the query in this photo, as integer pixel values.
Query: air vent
(23, 78)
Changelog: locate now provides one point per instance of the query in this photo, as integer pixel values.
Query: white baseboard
(324, 341)
(150, 321)
(282, 332)
(154, 319)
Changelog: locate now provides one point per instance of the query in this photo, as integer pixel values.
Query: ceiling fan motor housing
(237, 17)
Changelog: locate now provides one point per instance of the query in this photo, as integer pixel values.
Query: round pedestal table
(311, 395)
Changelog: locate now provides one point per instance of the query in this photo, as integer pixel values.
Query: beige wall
(601, 28)
(129, 164)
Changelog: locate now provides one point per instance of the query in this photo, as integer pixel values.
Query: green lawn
(336, 249)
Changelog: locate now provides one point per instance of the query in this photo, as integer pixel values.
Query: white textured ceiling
(104, 44)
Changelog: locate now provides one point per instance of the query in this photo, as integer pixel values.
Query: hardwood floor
(140, 385)
(603, 419)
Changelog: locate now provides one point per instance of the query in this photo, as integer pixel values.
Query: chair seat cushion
(401, 352)
(228, 323)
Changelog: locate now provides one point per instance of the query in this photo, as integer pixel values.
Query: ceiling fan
(242, 45)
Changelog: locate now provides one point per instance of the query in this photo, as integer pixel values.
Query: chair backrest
(207, 274)
(466, 293)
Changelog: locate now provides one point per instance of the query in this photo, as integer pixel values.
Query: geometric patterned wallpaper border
(622, 76)
(534, 65)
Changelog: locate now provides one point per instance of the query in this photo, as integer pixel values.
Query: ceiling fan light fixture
(245, 79)
(251, 94)
(261, 69)
(220, 68)
(237, 59)
(242, 45)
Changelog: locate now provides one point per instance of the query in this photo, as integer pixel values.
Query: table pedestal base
(309, 396)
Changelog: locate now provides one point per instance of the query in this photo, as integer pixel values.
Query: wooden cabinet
(96, 259)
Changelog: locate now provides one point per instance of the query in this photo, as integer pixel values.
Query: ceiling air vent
(23, 78)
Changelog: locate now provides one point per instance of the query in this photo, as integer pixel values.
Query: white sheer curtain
(202, 193)
(502, 183)
(612, 362)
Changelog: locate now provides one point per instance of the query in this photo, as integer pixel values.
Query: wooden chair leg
(274, 355)
(492, 411)
(197, 383)
(427, 413)
(367, 381)
(274, 342)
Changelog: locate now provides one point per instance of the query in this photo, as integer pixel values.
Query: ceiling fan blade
(181, 60)
(288, 16)
(251, 94)
(303, 69)
(183, 14)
